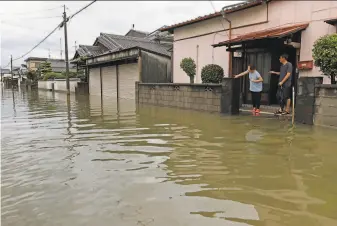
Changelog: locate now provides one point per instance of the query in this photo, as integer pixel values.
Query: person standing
(285, 77)
(255, 86)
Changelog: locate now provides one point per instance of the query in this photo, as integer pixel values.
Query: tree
(212, 73)
(45, 68)
(32, 75)
(325, 55)
(188, 66)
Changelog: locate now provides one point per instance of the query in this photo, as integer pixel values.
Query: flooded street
(88, 163)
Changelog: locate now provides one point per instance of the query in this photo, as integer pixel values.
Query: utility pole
(66, 48)
(12, 70)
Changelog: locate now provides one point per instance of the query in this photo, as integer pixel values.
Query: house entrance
(264, 54)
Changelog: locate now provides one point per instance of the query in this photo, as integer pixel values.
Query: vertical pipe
(12, 71)
(66, 48)
(197, 72)
(117, 81)
(230, 55)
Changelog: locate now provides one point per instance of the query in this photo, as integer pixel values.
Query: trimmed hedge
(212, 73)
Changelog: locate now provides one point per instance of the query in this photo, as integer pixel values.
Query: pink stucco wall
(281, 13)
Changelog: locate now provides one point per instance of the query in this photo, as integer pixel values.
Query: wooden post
(101, 83)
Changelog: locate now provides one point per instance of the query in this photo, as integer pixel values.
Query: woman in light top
(255, 86)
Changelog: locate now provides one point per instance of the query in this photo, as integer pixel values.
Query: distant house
(57, 65)
(115, 62)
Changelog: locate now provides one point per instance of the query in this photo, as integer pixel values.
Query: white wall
(59, 85)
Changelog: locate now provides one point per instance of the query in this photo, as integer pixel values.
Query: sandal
(278, 112)
(285, 113)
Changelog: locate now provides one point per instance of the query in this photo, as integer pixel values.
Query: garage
(128, 75)
(94, 81)
(109, 82)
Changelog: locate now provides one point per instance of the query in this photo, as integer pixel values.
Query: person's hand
(280, 84)
(236, 76)
(271, 72)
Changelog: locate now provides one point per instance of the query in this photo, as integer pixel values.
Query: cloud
(24, 24)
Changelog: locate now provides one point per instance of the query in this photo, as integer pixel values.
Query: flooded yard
(83, 162)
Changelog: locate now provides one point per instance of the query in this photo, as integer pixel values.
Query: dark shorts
(287, 93)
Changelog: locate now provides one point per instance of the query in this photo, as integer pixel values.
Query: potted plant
(188, 66)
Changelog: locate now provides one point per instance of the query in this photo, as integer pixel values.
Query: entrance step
(264, 109)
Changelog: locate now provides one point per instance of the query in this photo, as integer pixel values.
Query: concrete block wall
(201, 97)
(325, 105)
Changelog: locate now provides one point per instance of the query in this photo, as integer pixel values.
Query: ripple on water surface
(86, 163)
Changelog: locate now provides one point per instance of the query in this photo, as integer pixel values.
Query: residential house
(116, 62)
(255, 31)
(57, 65)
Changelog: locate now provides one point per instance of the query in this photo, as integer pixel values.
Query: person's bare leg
(288, 105)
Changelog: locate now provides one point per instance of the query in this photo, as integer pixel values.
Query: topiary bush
(325, 55)
(188, 66)
(212, 73)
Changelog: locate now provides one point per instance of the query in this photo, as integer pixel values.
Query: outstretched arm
(243, 73)
(274, 72)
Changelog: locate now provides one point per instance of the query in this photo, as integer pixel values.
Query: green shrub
(212, 73)
(188, 66)
(53, 75)
(324, 54)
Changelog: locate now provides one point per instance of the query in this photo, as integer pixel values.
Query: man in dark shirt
(285, 74)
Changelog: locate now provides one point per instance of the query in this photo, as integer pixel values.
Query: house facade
(57, 65)
(115, 62)
(256, 31)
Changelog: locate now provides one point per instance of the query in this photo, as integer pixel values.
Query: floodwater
(81, 162)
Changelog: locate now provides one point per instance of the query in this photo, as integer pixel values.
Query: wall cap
(180, 84)
(326, 86)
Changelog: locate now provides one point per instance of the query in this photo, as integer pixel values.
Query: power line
(25, 13)
(58, 26)
(32, 18)
(82, 9)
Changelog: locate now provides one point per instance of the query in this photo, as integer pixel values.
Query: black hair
(252, 67)
(285, 56)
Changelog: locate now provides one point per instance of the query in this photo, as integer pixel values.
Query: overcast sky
(24, 24)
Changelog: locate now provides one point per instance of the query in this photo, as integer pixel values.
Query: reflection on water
(83, 162)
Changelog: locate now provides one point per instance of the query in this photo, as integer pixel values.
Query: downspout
(229, 38)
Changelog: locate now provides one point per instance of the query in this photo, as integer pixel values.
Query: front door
(262, 62)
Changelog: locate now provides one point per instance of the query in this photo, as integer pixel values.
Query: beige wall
(281, 13)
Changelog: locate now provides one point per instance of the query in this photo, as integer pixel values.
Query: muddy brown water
(81, 162)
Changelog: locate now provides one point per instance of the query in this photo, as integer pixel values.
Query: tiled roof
(268, 33)
(85, 50)
(136, 33)
(228, 9)
(117, 43)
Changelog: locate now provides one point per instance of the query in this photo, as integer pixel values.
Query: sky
(26, 23)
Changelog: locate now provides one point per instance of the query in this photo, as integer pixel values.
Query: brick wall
(201, 97)
(325, 105)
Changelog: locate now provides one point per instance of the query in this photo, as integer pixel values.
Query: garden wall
(58, 84)
(202, 97)
(325, 105)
